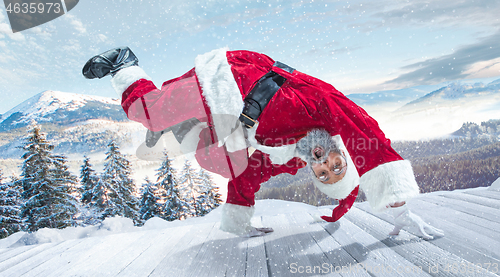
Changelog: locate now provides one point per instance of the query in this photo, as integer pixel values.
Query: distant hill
(485, 129)
(62, 108)
(457, 92)
(74, 123)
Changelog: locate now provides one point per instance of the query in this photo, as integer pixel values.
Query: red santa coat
(223, 78)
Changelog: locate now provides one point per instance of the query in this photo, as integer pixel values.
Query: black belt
(258, 98)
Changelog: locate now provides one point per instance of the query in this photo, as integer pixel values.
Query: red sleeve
(242, 189)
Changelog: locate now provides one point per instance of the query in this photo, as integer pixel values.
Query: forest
(48, 195)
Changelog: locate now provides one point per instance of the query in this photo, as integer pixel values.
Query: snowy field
(357, 245)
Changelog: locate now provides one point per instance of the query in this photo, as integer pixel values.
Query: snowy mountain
(392, 98)
(301, 245)
(75, 123)
(61, 108)
(440, 112)
(457, 93)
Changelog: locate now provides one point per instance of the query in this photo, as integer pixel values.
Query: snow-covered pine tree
(118, 186)
(47, 183)
(99, 201)
(209, 198)
(173, 205)
(10, 222)
(88, 180)
(189, 189)
(149, 206)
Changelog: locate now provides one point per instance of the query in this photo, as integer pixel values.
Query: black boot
(109, 62)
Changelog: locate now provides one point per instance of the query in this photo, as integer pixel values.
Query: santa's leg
(239, 208)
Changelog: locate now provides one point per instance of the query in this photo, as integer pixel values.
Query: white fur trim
(220, 90)
(126, 77)
(389, 183)
(340, 189)
(277, 155)
(236, 219)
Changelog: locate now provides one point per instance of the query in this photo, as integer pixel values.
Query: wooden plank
(467, 221)
(176, 263)
(290, 247)
(52, 250)
(424, 254)
(467, 197)
(149, 259)
(340, 261)
(97, 254)
(66, 258)
(256, 264)
(113, 264)
(472, 209)
(222, 254)
(19, 255)
(485, 193)
(458, 240)
(372, 255)
(13, 252)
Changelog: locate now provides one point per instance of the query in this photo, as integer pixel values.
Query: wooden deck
(357, 245)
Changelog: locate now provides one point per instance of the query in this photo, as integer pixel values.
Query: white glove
(403, 217)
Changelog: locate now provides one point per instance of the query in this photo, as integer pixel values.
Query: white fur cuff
(236, 219)
(389, 183)
(126, 77)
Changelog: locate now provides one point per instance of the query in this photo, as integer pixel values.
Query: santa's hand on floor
(405, 218)
(109, 62)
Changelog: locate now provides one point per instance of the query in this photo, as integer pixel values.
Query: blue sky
(358, 46)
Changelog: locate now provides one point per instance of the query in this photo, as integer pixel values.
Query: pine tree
(10, 222)
(46, 185)
(209, 198)
(88, 180)
(190, 189)
(173, 205)
(99, 201)
(149, 201)
(116, 186)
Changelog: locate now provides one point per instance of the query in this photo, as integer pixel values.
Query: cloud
(440, 12)
(465, 62)
(369, 16)
(76, 23)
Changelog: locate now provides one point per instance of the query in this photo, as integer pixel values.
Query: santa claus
(233, 100)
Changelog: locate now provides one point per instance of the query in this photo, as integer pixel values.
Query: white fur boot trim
(389, 183)
(236, 219)
(126, 77)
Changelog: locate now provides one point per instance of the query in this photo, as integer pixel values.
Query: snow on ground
(116, 225)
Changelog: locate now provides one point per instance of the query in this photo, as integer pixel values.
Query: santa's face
(332, 170)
